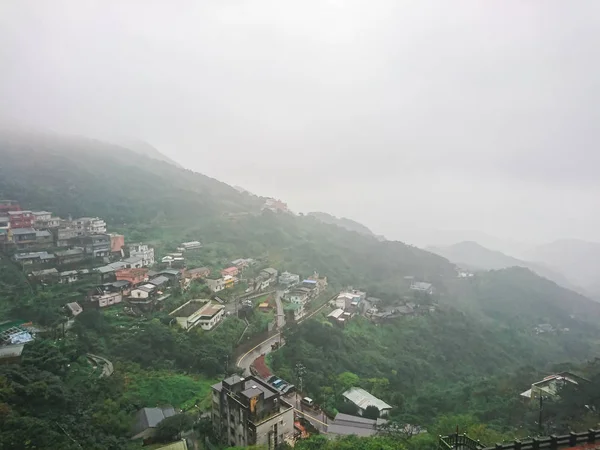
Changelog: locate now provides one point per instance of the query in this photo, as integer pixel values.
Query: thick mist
(425, 121)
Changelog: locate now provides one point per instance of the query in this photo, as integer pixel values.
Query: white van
(307, 401)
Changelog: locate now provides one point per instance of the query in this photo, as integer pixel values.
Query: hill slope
(578, 260)
(473, 256)
(343, 222)
(144, 148)
(155, 201)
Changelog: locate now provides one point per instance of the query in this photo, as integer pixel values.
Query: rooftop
(74, 307)
(146, 287)
(252, 386)
(159, 280)
(363, 399)
(421, 286)
(21, 231)
(336, 313)
(31, 255)
(151, 417)
(133, 260)
(345, 424)
(70, 252)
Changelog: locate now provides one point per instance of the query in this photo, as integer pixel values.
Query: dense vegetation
(470, 357)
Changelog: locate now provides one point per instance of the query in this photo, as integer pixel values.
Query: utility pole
(300, 371)
(540, 417)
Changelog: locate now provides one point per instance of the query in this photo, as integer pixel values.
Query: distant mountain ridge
(579, 260)
(473, 256)
(343, 222)
(144, 148)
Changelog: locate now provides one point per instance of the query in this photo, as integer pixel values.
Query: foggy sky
(423, 120)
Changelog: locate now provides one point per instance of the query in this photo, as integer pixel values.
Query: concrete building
(134, 276)
(191, 245)
(289, 279)
(34, 258)
(117, 242)
(143, 291)
(363, 399)
(143, 251)
(200, 272)
(421, 286)
(550, 386)
(231, 271)
(70, 256)
(247, 411)
(215, 285)
(89, 225)
(67, 277)
(20, 219)
(64, 235)
(270, 273)
(44, 220)
(23, 237)
(107, 299)
(200, 313)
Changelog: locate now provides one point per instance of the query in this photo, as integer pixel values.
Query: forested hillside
(471, 349)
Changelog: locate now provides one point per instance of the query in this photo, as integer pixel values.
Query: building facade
(89, 225)
(247, 411)
(142, 251)
(21, 219)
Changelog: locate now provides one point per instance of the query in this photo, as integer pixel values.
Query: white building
(106, 299)
(289, 279)
(363, 399)
(191, 245)
(200, 313)
(134, 262)
(142, 291)
(70, 276)
(143, 251)
(44, 219)
(89, 225)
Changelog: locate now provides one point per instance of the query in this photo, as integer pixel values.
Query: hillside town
(134, 280)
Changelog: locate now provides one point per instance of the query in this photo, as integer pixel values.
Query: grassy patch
(152, 388)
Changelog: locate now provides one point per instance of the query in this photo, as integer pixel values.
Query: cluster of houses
(177, 259)
(347, 304)
(299, 293)
(230, 275)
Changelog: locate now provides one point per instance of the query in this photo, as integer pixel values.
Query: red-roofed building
(9, 205)
(231, 271)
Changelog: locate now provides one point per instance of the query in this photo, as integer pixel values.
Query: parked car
(307, 401)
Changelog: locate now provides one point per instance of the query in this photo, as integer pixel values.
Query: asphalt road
(248, 358)
(280, 313)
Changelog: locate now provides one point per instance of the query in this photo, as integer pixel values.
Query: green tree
(171, 428)
(371, 412)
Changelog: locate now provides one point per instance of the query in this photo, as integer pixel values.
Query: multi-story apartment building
(96, 245)
(44, 219)
(142, 251)
(89, 225)
(247, 411)
(20, 219)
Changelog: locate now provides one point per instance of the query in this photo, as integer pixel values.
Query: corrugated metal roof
(363, 399)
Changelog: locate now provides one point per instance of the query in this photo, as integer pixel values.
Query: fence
(462, 441)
